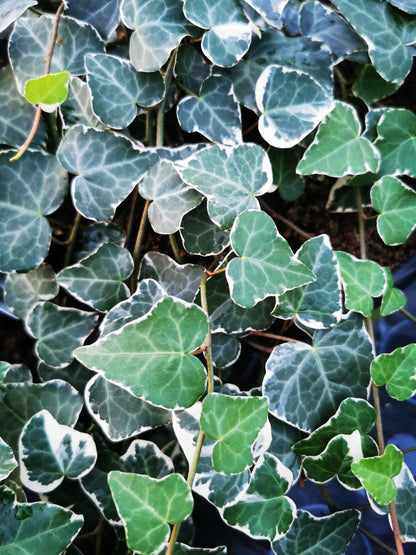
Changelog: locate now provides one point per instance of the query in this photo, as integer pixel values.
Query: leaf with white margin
(393, 298)
(396, 204)
(117, 89)
(234, 435)
(318, 304)
(120, 414)
(49, 90)
(7, 461)
(107, 168)
(370, 86)
(97, 280)
(200, 235)
(405, 501)
(408, 6)
(150, 357)
(292, 104)
(23, 291)
(177, 153)
(147, 504)
(306, 383)
(284, 437)
(215, 113)
(270, 10)
(225, 349)
(58, 331)
(396, 370)
(338, 149)
(191, 68)
(31, 189)
(104, 16)
(178, 280)
(30, 40)
(50, 452)
(159, 26)
(265, 511)
(376, 474)
(328, 535)
(35, 528)
(10, 10)
(257, 272)
(229, 33)
(20, 401)
(14, 373)
(284, 161)
(230, 178)
(77, 108)
(171, 196)
(362, 279)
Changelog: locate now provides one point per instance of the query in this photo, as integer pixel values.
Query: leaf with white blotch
(290, 184)
(20, 401)
(257, 273)
(215, 113)
(104, 16)
(265, 511)
(159, 26)
(191, 68)
(178, 280)
(328, 535)
(59, 331)
(35, 528)
(199, 233)
(270, 10)
(397, 371)
(77, 108)
(230, 179)
(30, 40)
(178, 153)
(145, 503)
(408, 6)
(284, 437)
(393, 298)
(234, 435)
(49, 90)
(172, 198)
(151, 358)
(318, 304)
(292, 104)
(405, 501)
(338, 149)
(229, 33)
(23, 291)
(387, 33)
(306, 383)
(396, 204)
(31, 189)
(7, 461)
(10, 10)
(75, 374)
(103, 180)
(97, 280)
(376, 474)
(117, 88)
(225, 349)
(50, 452)
(370, 86)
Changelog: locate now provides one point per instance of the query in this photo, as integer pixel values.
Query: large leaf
(49, 91)
(151, 358)
(199, 233)
(104, 16)
(105, 179)
(397, 371)
(7, 461)
(31, 189)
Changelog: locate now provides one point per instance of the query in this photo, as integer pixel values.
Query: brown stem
(287, 222)
(277, 337)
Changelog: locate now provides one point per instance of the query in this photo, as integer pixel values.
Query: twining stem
(160, 124)
(138, 247)
(377, 541)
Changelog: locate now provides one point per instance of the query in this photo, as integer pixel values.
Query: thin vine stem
(175, 248)
(408, 315)
(160, 123)
(138, 246)
(287, 222)
(277, 337)
(71, 239)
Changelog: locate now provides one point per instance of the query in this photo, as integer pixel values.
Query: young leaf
(7, 461)
(225, 349)
(49, 90)
(393, 298)
(396, 370)
(199, 233)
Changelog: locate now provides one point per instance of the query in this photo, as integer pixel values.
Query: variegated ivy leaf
(342, 196)
(292, 104)
(338, 149)
(306, 383)
(405, 501)
(159, 26)
(191, 68)
(230, 179)
(225, 349)
(265, 511)
(284, 437)
(396, 204)
(14, 373)
(104, 180)
(49, 90)
(10, 10)
(117, 88)
(49, 452)
(393, 298)
(97, 280)
(7, 461)
(59, 331)
(172, 198)
(370, 86)
(103, 16)
(318, 304)
(199, 233)
(150, 357)
(215, 113)
(145, 503)
(257, 272)
(408, 6)
(397, 371)
(77, 108)
(362, 279)
(270, 10)
(31, 189)
(234, 422)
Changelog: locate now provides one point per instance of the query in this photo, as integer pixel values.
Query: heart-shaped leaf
(225, 350)
(104, 17)
(191, 68)
(199, 233)
(49, 90)
(7, 461)
(393, 299)
(396, 370)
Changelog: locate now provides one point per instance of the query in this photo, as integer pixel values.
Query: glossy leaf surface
(397, 371)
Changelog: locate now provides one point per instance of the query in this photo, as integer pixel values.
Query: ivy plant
(139, 143)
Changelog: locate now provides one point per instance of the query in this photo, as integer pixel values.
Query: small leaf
(397, 371)
(199, 233)
(284, 436)
(393, 298)
(225, 349)
(7, 461)
(49, 90)
(191, 68)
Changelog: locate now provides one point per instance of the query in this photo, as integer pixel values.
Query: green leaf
(15, 373)
(104, 180)
(338, 149)
(31, 189)
(269, 10)
(230, 179)
(191, 68)
(257, 272)
(77, 108)
(405, 501)
(225, 350)
(376, 474)
(199, 233)
(306, 383)
(393, 299)
(370, 86)
(408, 6)
(49, 91)
(397, 371)
(396, 203)
(146, 504)
(265, 512)
(284, 164)
(284, 437)
(104, 17)
(235, 423)
(151, 358)
(7, 461)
